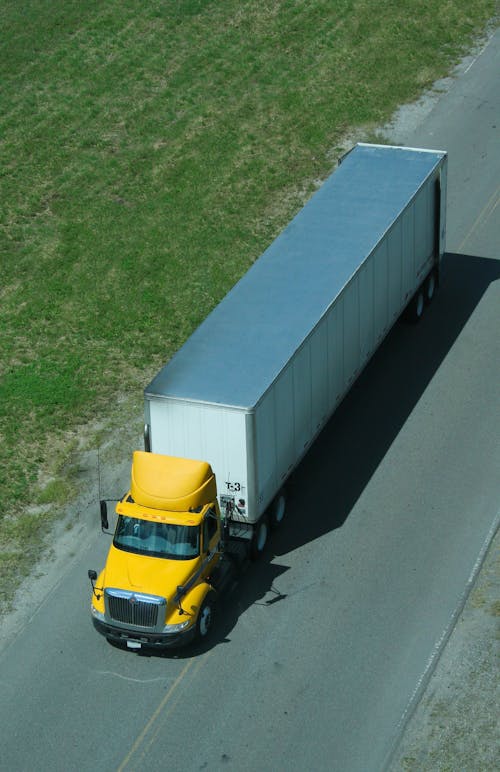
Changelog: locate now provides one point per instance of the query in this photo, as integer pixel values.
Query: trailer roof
(239, 350)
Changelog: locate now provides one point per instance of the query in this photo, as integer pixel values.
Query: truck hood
(150, 575)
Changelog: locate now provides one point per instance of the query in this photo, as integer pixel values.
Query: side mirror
(93, 576)
(147, 438)
(104, 516)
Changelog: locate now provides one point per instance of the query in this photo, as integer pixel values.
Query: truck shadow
(339, 465)
(253, 583)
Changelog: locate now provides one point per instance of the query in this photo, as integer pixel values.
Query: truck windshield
(161, 540)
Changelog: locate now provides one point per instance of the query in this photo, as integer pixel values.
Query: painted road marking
(483, 215)
(139, 743)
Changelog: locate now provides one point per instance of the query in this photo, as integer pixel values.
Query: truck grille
(134, 609)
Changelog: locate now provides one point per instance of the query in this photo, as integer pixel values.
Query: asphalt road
(320, 652)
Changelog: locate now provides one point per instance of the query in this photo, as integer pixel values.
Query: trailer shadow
(332, 476)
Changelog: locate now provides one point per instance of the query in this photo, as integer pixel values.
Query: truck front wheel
(205, 617)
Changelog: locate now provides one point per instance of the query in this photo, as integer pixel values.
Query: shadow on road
(339, 465)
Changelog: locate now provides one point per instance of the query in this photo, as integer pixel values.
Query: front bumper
(145, 639)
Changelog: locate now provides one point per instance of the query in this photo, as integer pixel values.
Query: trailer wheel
(415, 310)
(277, 510)
(205, 617)
(430, 288)
(259, 539)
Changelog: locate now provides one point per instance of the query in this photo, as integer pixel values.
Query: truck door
(211, 538)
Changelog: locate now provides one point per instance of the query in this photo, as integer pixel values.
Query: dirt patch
(100, 468)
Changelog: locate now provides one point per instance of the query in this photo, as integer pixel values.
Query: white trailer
(258, 380)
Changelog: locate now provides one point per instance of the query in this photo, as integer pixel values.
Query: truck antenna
(98, 475)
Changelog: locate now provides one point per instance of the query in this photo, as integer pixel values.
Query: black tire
(260, 538)
(430, 288)
(415, 310)
(205, 618)
(277, 510)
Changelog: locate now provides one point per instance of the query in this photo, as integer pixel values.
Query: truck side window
(210, 528)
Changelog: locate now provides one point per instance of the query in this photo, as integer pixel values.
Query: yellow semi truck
(257, 382)
(166, 560)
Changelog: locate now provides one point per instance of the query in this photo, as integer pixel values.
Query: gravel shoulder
(456, 726)
(452, 722)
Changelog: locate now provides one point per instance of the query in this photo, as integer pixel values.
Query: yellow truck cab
(155, 589)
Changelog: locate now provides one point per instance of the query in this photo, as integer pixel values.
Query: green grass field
(149, 153)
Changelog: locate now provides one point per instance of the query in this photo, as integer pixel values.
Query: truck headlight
(177, 627)
(95, 613)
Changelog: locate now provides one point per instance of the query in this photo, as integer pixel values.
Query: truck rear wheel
(430, 287)
(259, 539)
(277, 510)
(415, 310)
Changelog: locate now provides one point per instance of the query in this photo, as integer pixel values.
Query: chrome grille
(129, 608)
